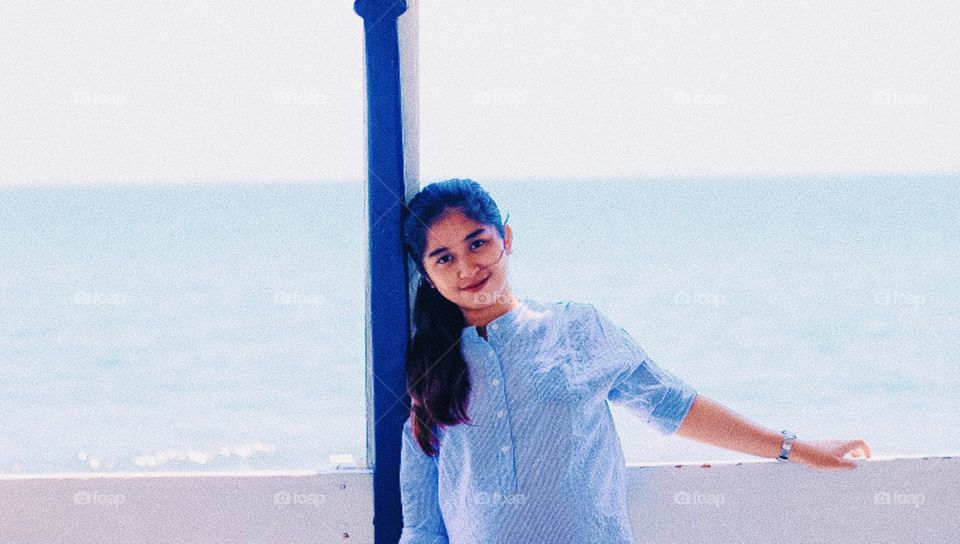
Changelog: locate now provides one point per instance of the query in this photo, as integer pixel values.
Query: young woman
(510, 438)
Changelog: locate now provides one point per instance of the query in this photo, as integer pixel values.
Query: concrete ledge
(896, 500)
(180, 508)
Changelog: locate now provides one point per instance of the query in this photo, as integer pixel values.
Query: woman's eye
(476, 244)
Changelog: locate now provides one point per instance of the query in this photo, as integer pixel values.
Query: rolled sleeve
(654, 394)
(422, 520)
(637, 383)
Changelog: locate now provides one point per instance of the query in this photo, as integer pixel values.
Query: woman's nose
(467, 267)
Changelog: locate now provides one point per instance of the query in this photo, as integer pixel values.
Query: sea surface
(186, 327)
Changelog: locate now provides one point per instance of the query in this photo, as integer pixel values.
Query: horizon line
(641, 178)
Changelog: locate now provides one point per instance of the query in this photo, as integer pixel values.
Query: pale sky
(253, 92)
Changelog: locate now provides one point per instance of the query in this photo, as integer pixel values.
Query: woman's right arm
(422, 522)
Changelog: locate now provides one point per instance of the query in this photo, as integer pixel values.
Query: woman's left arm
(712, 423)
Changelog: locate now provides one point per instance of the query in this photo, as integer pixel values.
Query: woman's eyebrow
(468, 237)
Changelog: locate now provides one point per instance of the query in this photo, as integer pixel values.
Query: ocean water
(221, 327)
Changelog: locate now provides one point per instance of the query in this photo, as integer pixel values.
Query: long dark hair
(438, 380)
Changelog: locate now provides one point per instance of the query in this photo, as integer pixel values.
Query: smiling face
(467, 262)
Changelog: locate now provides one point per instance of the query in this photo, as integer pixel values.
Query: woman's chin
(475, 301)
(484, 298)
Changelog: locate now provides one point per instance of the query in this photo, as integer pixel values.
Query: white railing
(895, 500)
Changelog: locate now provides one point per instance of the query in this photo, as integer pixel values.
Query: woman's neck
(479, 318)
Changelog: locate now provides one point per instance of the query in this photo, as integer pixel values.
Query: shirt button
(493, 327)
(499, 413)
(495, 381)
(505, 449)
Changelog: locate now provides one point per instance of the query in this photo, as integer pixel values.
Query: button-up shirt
(540, 460)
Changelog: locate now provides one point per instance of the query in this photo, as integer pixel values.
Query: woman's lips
(478, 286)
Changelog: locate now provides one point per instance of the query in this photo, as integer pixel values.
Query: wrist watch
(788, 439)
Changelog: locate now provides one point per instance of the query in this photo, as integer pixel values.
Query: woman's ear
(508, 238)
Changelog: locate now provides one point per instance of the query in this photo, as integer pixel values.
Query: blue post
(387, 288)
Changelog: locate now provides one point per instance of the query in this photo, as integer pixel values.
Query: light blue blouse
(541, 460)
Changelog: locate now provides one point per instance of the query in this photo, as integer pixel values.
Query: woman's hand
(829, 454)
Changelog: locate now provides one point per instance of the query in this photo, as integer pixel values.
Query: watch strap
(788, 439)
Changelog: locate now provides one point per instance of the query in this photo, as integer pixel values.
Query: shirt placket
(502, 436)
